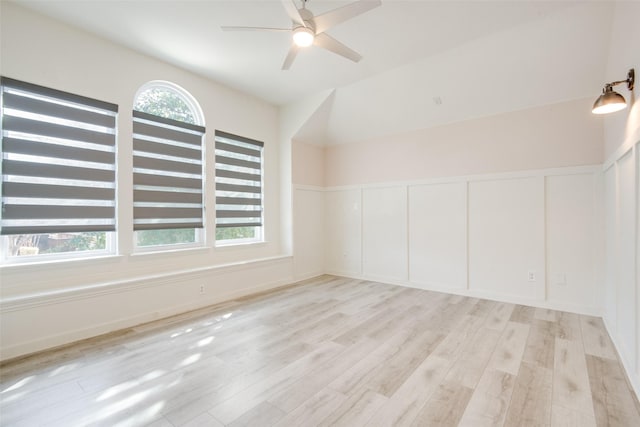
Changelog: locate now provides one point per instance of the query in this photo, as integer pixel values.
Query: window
(168, 197)
(58, 171)
(238, 188)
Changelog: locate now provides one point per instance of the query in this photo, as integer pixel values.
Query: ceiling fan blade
(327, 42)
(334, 17)
(292, 11)
(234, 28)
(293, 51)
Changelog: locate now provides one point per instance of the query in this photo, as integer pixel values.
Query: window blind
(238, 181)
(58, 161)
(167, 173)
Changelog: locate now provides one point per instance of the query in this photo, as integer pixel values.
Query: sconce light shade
(610, 100)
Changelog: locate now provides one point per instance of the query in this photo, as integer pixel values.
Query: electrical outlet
(202, 289)
(531, 277)
(559, 279)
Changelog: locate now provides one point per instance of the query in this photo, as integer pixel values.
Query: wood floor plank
(235, 406)
(464, 331)
(510, 349)
(314, 410)
(264, 414)
(445, 407)
(356, 410)
(522, 314)
(530, 404)
(482, 308)
(571, 389)
(473, 358)
(540, 347)
(613, 400)
(565, 417)
(317, 379)
(396, 369)
(332, 351)
(595, 337)
(405, 404)
(490, 400)
(499, 316)
(545, 314)
(568, 326)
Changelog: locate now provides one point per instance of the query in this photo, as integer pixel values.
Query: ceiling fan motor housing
(307, 17)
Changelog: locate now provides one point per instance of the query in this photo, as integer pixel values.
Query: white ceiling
(480, 57)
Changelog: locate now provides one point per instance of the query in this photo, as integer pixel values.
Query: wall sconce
(611, 101)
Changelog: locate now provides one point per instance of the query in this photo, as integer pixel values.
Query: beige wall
(307, 164)
(622, 129)
(552, 136)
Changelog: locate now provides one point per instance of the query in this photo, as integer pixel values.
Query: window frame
(259, 236)
(61, 100)
(199, 233)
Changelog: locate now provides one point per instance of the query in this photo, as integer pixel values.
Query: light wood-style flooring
(332, 352)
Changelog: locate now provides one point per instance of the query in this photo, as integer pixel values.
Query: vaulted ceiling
(425, 63)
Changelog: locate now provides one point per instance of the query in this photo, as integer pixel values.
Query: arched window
(168, 176)
(165, 99)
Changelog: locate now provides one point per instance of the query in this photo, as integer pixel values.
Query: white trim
(508, 298)
(304, 187)
(627, 145)
(572, 170)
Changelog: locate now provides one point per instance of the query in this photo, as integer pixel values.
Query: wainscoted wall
(622, 260)
(621, 281)
(36, 321)
(309, 232)
(530, 237)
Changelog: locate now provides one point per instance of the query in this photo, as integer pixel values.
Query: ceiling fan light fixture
(303, 37)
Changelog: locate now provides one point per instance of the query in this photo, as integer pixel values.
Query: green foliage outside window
(41, 244)
(235, 233)
(165, 237)
(165, 103)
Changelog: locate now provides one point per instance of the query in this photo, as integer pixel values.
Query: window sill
(48, 264)
(232, 244)
(150, 253)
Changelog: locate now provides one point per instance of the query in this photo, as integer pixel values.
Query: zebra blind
(58, 161)
(167, 173)
(238, 181)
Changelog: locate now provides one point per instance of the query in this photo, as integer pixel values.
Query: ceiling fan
(308, 29)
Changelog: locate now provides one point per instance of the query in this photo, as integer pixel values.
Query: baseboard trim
(513, 299)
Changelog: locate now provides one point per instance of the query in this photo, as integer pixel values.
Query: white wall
(384, 233)
(622, 285)
(343, 240)
(622, 195)
(438, 235)
(506, 237)
(308, 232)
(476, 235)
(53, 303)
